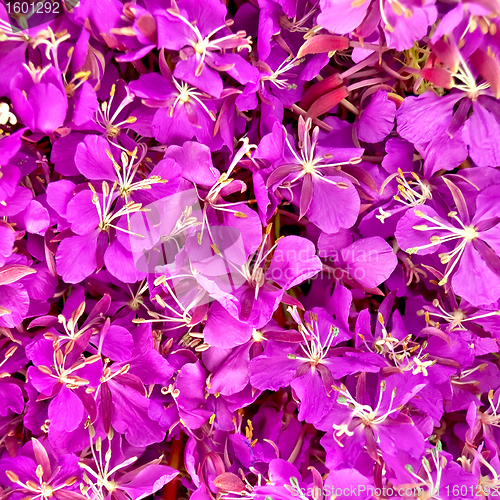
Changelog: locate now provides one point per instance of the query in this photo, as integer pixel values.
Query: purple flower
(310, 179)
(473, 244)
(189, 28)
(36, 474)
(402, 23)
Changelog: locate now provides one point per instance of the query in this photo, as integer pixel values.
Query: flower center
(257, 335)
(201, 47)
(465, 234)
(470, 233)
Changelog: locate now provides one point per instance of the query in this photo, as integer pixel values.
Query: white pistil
(368, 416)
(137, 300)
(314, 349)
(6, 116)
(412, 198)
(64, 375)
(456, 318)
(464, 234)
(70, 326)
(102, 478)
(433, 481)
(182, 318)
(211, 200)
(7, 33)
(107, 122)
(41, 490)
(491, 415)
(312, 164)
(186, 94)
(253, 270)
(408, 194)
(51, 41)
(276, 76)
(257, 335)
(128, 169)
(468, 81)
(202, 45)
(36, 73)
(402, 358)
(295, 25)
(106, 216)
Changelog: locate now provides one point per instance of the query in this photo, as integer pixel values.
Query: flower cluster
(250, 249)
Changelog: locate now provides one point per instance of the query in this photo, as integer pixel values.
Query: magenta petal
(395, 436)
(232, 377)
(377, 119)
(130, 416)
(76, 257)
(49, 106)
(6, 243)
(333, 208)
(444, 152)
(92, 160)
(209, 80)
(152, 86)
(348, 480)
(85, 104)
(17, 202)
(340, 17)
(474, 281)
(148, 481)
(82, 213)
(36, 218)
(23, 108)
(120, 263)
(11, 396)
(273, 369)
(408, 237)
(405, 31)
(314, 401)
(422, 118)
(59, 194)
(66, 410)
(223, 330)
(478, 129)
(118, 343)
(191, 383)
(370, 261)
(195, 161)
(63, 153)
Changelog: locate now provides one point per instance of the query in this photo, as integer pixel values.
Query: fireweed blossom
(309, 368)
(455, 121)
(378, 425)
(186, 28)
(402, 22)
(36, 474)
(92, 217)
(183, 110)
(311, 175)
(473, 246)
